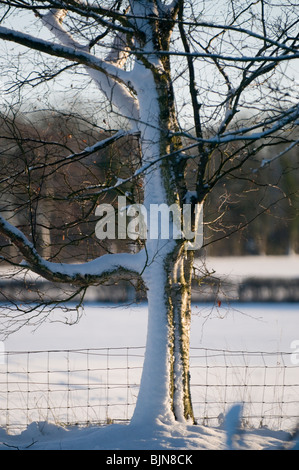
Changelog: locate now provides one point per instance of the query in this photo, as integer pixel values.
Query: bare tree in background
(200, 89)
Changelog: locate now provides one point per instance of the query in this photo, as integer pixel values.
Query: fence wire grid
(100, 386)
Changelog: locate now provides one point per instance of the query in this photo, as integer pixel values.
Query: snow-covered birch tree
(203, 87)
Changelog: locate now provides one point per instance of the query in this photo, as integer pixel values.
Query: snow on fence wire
(100, 386)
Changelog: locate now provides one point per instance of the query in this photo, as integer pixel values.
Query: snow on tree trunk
(165, 388)
(165, 385)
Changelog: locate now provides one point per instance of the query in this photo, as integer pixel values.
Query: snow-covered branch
(269, 127)
(107, 267)
(53, 21)
(115, 91)
(227, 58)
(267, 161)
(69, 158)
(66, 52)
(287, 117)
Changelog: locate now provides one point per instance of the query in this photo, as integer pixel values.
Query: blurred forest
(44, 192)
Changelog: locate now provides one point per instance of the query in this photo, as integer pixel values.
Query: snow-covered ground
(174, 437)
(264, 327)
(251, 327)
(237, 268)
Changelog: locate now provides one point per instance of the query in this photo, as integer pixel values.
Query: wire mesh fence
(100, 386)
(265, 383)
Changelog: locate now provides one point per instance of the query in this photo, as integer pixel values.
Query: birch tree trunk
(165, 385)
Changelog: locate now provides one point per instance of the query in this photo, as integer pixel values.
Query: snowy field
(236, 327)
(267, 328)
(241, 267)
(264, 327)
